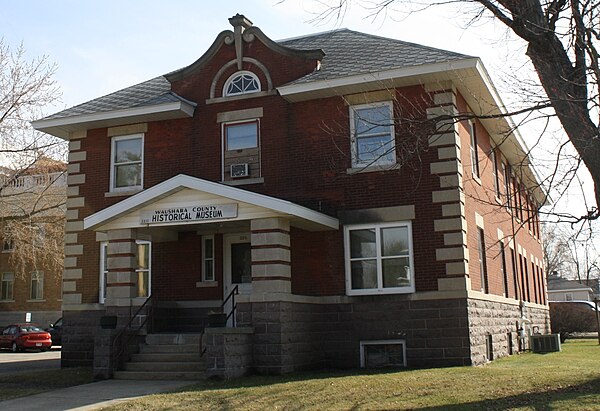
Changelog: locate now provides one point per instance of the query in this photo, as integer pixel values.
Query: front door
(237, 266)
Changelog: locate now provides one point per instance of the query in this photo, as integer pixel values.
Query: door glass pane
(143, 256)
(362, 243)
(394, 241)
(364, 274)
(396, 272)
(241, 268)
(143, 283)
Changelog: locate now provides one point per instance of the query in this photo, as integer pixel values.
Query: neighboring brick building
(30, 283)
(326, 177)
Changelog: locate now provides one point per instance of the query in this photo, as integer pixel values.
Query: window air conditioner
(239, 170)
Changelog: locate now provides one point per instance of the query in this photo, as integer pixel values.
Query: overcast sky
(103, 46)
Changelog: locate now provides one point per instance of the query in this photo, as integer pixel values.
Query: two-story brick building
(354, 189)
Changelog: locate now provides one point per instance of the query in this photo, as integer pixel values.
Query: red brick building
(30, 268)
(343, 183)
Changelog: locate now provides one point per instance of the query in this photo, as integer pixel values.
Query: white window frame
(474, 149)
(113, 176)
(103, 271)
(149, 269)
(380, 289)
(356, 163)
(495, 173)
(568, 296)
(234, 76)
(12, 287)
(381, 342)
(8, 245)
(39, 286)
(205, 274)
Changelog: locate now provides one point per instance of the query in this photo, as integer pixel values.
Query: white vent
(545, 343)
(239, 170)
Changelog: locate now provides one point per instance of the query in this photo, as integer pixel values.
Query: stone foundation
(228, 351)
(501, 321)
(79, 329)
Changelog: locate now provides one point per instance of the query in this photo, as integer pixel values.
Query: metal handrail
(122, 347)
(231, 296)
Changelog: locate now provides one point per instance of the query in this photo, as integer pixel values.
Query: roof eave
(316, 220)
(64, 127)
(467, 74)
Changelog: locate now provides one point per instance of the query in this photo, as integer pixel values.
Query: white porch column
(271, 256)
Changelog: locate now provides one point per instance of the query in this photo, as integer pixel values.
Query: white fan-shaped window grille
(242, 82)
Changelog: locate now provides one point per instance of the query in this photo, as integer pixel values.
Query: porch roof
(183, 190)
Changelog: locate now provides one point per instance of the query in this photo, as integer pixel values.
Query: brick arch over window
(227, 66)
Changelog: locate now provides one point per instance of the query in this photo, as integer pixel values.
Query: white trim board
(299, 216)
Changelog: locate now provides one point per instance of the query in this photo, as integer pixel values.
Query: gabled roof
(349, 53)
(298, 215)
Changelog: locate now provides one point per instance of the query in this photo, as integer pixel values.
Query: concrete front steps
(165, 357)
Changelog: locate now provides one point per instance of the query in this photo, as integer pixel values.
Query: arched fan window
(242, 82)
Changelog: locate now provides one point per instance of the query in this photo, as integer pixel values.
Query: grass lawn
(23, 384)
(569, 380)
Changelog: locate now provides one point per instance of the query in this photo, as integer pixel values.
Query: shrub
(567, 318)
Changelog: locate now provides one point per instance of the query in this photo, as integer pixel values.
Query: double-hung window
(37, 285)
(127, 162)
(6, 286)
(474, 150)
(372, 135)
(379, 258)
(208, 258)
(495, 173)
(143, 268)
(103, 271)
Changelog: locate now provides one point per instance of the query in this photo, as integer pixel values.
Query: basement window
(383, 353)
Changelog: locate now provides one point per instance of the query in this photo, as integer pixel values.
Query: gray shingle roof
(148, 93)
(347, 53)
(559, 283)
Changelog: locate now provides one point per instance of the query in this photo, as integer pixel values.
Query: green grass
(569, 380)
(24, 384)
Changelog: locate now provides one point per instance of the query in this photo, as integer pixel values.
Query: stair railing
(119, 346)
(231, 296)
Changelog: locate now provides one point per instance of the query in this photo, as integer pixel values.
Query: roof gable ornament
(240, 23)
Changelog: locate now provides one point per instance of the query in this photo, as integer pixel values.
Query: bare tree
(562, 39)
(32, 173)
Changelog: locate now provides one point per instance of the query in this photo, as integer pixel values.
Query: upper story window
(239, 136)
(8, 245)
(372, 134)
(242, 82)
(37, 285)
(127, 160)
(379, 258)
(495, 177)
(7, 281)
(474, 151)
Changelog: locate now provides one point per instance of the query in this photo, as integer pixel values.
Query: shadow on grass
(546, 400)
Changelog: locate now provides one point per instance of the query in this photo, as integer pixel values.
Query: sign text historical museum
(189, 214)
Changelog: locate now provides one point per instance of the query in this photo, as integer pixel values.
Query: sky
(103, 46)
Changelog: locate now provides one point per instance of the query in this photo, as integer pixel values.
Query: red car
(19, 337)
